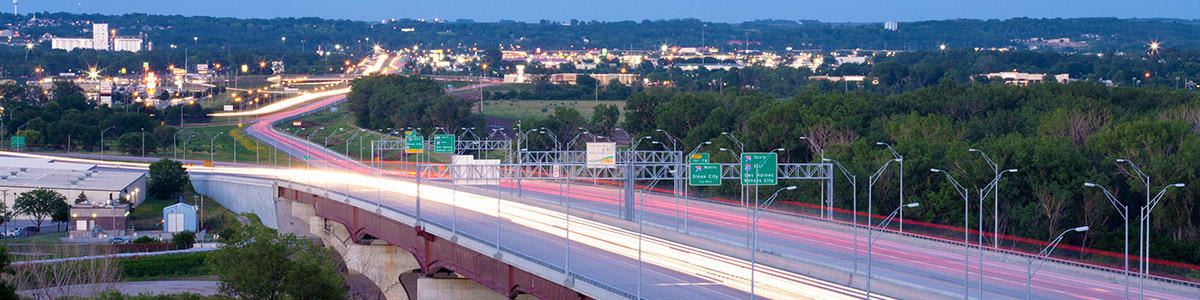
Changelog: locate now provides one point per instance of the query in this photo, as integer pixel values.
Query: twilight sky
(616, 10)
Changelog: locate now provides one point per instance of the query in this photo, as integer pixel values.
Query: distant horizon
(533, 11)
(40, 13)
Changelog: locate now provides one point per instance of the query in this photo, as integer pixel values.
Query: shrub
(145, 239)
(183, 240)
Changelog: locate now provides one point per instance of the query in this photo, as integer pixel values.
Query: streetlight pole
(185, 144)
(102, 140)
(871, 194)
(212, 147)
(175, 143)
(347, 151)
(143, 144)
(686, 187)
(991, 187)
(738, 158)
(1041, 258)
(854, 216)
(871, 238)
(758, 210)
(897, 155)
(1146, 220)
(995, 201)
(966, 231)
(1123, 211)
(826, 190)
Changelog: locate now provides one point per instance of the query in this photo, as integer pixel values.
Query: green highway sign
(18, 141)
(413, 142)
(698, 158)
(704, 174)
(443, 143)
(306, 157)
(760, 169)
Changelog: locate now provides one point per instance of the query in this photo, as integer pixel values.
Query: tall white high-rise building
(893, 26)
(99, 36)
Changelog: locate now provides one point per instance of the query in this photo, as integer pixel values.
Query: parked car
(25, 231)
(118, 240)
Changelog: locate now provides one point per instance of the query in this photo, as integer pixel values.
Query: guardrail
(426, 222)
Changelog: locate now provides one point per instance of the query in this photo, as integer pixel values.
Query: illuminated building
(102, 39)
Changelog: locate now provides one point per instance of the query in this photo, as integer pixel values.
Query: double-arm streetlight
(996, 196)
(758, 211)
(1123, 211)
(854, 216)
(991, 187)
(1144, 224)
(900, 158)
(308, 151)
(582, 132)
(871, 238)
(966, 230)
(1041, 258)
(185, 145)
(553, 138)
(671, 138)
(738, 157)
(871, 193)
(175, 142)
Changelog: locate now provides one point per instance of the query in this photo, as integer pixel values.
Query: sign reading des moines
(443, 143)
(759, 169)
(413, 142)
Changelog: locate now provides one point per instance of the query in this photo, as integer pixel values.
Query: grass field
(203, 146)
(527, 109)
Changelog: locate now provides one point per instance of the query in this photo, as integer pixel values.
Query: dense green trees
(259, 263)
(397, 101)
(167, 178)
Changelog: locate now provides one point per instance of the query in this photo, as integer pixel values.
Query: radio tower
(14, 7)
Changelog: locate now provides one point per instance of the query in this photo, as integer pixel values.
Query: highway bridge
(554, 236)
(651, 254)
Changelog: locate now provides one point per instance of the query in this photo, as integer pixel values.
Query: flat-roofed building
(103, 187)
(1023, 79)
(96, 220)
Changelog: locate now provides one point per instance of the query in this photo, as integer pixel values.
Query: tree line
(62, 116)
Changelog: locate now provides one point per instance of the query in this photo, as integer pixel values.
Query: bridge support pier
(376, 260)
